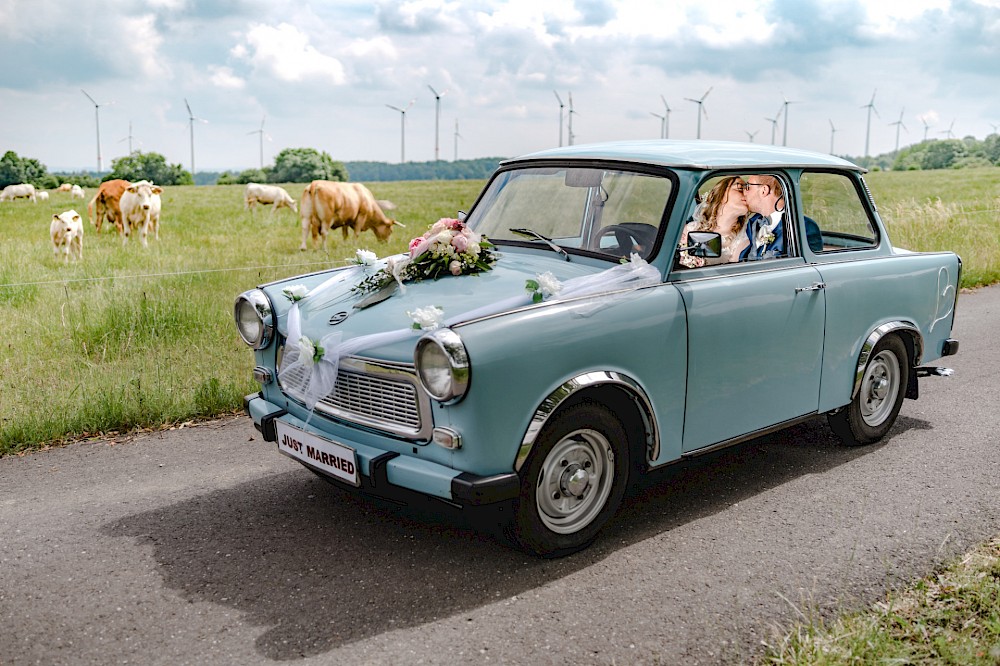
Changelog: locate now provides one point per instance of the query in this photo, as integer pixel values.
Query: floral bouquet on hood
(449, 247)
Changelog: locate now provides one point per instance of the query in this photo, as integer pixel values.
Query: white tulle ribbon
(310, 381)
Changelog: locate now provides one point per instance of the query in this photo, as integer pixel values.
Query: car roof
(693, 154)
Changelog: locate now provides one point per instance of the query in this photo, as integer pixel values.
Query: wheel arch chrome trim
(899, 326)
(572, 387)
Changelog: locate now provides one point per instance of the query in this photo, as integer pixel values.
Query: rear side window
(835, 215)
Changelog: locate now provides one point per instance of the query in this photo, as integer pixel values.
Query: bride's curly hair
(712, 203)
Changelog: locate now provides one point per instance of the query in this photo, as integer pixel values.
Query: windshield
(607, 211)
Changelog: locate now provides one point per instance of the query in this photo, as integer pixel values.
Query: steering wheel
(629, 240)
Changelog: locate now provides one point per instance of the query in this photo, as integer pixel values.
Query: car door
(755, 348)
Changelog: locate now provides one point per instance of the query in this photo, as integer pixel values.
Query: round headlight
(443, 365)
(253, 318)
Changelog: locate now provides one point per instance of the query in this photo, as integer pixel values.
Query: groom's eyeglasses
(748, 185)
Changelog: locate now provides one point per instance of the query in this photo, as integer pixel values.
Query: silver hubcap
(879, 388)
(575, 481)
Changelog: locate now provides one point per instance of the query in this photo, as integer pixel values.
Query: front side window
(835, 215)
(607, 211)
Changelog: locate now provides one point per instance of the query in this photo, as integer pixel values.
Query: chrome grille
(380, 395)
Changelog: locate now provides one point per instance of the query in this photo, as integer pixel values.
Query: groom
(766, 228)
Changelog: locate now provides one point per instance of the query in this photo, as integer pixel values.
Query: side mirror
(707, 244)
(461, 215)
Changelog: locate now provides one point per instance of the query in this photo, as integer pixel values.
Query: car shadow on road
(320, 567)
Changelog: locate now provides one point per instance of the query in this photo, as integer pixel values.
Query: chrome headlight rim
(449, 344)
(257, 301)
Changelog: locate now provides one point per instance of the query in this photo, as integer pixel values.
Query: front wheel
(573, 481)
(875, 407)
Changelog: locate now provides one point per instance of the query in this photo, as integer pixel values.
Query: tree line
(303, 165)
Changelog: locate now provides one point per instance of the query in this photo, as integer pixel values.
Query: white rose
(548, 284)
(296, 292)
(366, 257)
(306, 350)
(426, 319)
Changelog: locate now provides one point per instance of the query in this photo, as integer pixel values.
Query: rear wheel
(873, 410)
(573, 481)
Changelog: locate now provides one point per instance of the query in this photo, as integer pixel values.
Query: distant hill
(477, 169)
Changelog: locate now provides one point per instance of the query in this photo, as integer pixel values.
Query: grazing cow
(140, 209)
(326, 205)
(65, 187)
(76, 192)
(268, 194)
(20, 191)
(105, 204)
(42, 195)
(66, 231)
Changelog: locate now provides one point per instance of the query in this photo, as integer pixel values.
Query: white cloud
(285, 53)
(224, 77)
(143, 41)
(380, 48)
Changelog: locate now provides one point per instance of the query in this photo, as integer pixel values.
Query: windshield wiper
(548, 241)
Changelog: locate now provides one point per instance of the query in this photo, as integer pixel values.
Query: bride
(724, 210)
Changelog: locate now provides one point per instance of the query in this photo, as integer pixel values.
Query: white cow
(41, 195)
(140, 207)
(268, 194)
(66, 231)
(76, 192)
(21, 191)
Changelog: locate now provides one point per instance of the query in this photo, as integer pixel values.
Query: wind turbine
(457, 137)
(868, 130)
(774, 123)
(926, 126)
(948, 131)
(437, 120)
(402, 129)
(569, 130)
(784, 107)
(262, 135)
(191, 119)
(97, 120)
(701, 108)
(751, 135)
(833, 130)
(663, 120)
(898, 124)
(561, 105)
(666, 115)
(128, 138)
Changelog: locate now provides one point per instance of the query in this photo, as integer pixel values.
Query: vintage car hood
(334, 301)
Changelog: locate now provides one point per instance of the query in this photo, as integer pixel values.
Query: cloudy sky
(321, 74)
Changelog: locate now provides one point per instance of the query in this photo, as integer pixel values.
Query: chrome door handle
(815, 286)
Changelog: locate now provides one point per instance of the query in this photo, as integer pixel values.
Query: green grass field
(141, 338)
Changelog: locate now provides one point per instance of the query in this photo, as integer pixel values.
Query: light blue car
(587, 323)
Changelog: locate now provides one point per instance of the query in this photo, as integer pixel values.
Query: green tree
(14, 170)
(303, 165)
(149, 166)
(943, 154)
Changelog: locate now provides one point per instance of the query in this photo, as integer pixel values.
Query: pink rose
(417, 246)
(455, 267)
(460, 242)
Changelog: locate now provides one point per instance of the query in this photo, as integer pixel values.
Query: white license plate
(337, 459)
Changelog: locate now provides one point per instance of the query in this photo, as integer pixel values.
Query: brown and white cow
(326, 205)
(140, 208)
(65, 187)
(66, 231)
(256, 193)
(105, 204)
(19, 191)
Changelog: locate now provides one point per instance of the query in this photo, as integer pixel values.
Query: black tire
(573, 481)
(873, 410)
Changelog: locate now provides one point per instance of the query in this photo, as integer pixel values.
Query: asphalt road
(204, 545)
